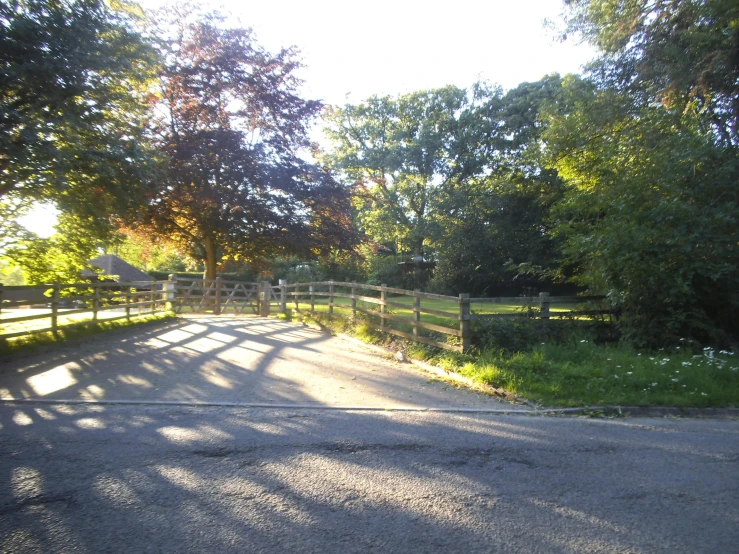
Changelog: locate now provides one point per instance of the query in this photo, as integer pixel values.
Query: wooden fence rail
(379, 307)
(435, 319)
(60, 301)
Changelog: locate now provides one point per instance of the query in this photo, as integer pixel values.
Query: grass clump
(581, 373)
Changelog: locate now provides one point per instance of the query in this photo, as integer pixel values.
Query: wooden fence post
(266, 298)
(312, 290)
(464, 320)
(354, 299)
(544, 310)
(416, 312)
(283, 296)
(331, 298)
(217, 306)
(54, 308)
(127, 299)
(95, 301)
(172, 291)
(153, 297)
(383, 299)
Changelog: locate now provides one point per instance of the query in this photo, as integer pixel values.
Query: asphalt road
(163, 479)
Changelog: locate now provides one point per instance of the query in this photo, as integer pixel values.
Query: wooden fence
(57, 303)
(219, 296)
(378, 302)
(434, 319)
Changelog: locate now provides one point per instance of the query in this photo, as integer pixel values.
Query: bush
(512, 335)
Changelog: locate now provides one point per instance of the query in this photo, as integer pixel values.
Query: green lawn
(580, 373)
(321, 305)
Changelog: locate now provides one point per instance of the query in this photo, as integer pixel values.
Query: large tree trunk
(211, 258)
(418, 248)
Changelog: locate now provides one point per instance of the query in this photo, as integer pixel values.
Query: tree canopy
(682, 53)
(73, 107)
(232, 126)
(403, 154)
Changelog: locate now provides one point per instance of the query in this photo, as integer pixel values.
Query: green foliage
(143, 251)
(12, 232)
(515, 335)
(456, 176)
(73, 93)
(11, 274)
(650, 216)
(383, 270)
(61, 257)
(405, 153)
(681, 53)
(580, 373)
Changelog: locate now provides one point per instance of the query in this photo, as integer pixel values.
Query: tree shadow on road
(135, 478)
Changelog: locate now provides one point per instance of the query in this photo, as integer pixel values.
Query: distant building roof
(113, 265)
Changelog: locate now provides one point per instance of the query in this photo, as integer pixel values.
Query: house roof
(113, 265)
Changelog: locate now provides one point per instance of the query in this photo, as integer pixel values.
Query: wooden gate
(217, 296)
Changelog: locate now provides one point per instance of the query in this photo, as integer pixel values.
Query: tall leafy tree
(682, 53)
(454, 173)
(499, 220)
(405, 153)
(59, 258)
(73, 91)
(234, 130)
(650, 213)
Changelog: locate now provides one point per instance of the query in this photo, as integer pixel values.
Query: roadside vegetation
(574, 365)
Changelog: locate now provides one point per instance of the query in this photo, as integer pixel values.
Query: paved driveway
(229, 359)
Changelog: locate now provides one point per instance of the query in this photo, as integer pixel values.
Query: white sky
(393, 47)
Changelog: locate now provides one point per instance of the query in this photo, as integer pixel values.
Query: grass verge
(84, 329)
(573, 370)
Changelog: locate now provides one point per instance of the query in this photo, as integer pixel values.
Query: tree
(404, 154)
(650, 213)
(143, 250)
(454, 175)
(12, 232)
(73, 90)
(61, 257)
(233, 128)
(498, 221)
(682, 53)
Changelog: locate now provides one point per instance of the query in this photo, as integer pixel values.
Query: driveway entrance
(230, 359)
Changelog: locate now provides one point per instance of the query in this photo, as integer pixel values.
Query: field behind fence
(26, 310)
(434, 319)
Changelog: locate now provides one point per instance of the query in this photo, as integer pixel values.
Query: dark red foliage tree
(233, 128)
